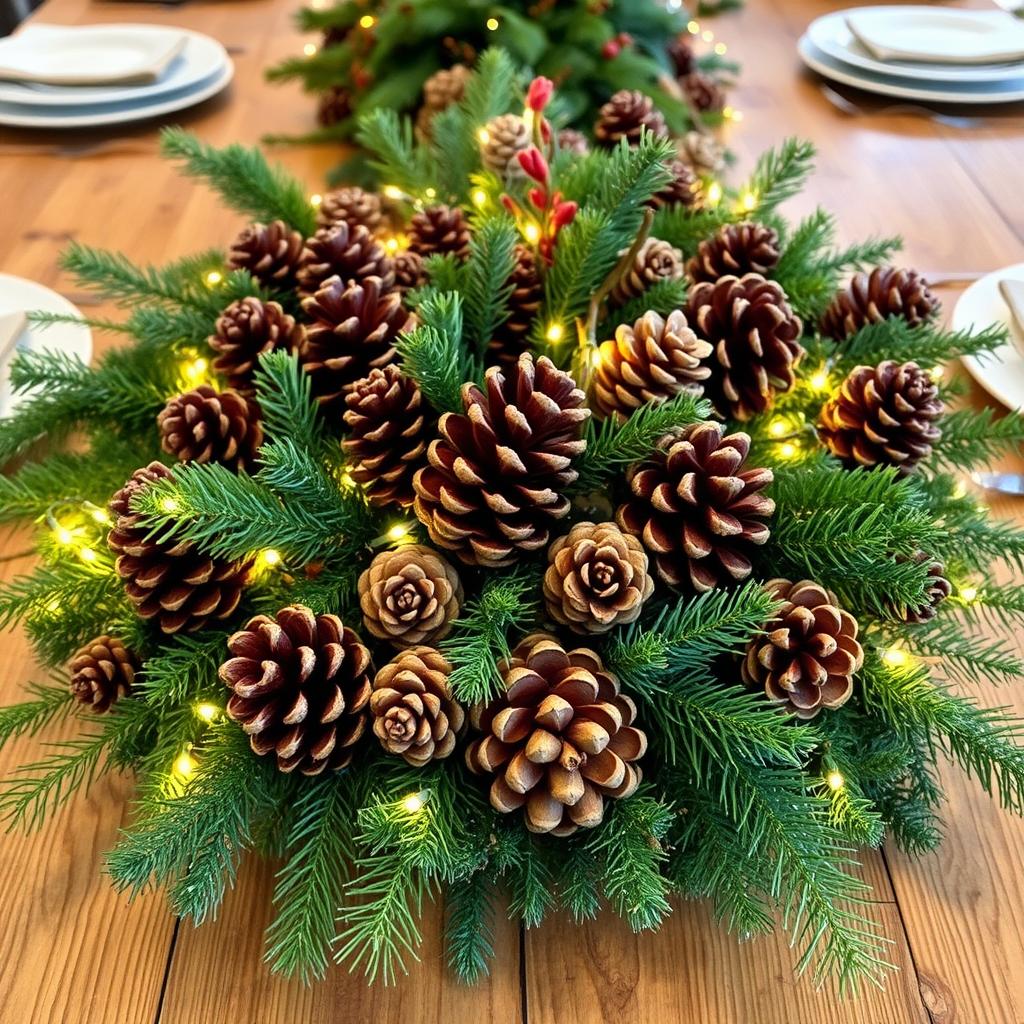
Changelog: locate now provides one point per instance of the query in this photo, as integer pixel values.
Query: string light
(693, 27)
(184, 765)
(414, 802)
(367, 21)
(309, 49)
(721, 49)
(195, 369)
(708, 36)
(819, 380)
(269, 557)
(315, 200)
(532, 233)
(960, 490)
(714, 193)
(937, 372)
(87, 555)
(555, 333)
(788, 450)
(207, 712)
(778, 427)
(895, 657)
(169, 504)
(749, 202)
(393, 192)
(732, 114)
(969, 594)
(484, 136)
(431, 193)
(100, 516)
(492, 24)
(835, 781)
(398, 532)
(479, 197)
(64, 535)
(213, 278)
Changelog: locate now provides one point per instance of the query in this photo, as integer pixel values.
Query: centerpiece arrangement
(552, 522)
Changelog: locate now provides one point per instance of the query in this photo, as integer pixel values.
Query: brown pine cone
(572, 141)
(756, 340)
(596, 578)
(883, 414)
(102, 672)
(656, 261)
(440, 91)
(300, 688)
(808, 653)
(937, 589)
(697, 510)
(170, 581)
(270, 252)
(512, 338)
(410, 595)
(353, 332)
(506, 136)
(872, 298)
(496, 477)
(409, 271)
(206, 425)
(345, 251)
(682, 55)
(651, 361)
(702, 152)
(334, 105)
(625, 116)
(353, 206)
(560, 740)
(736, 249)
(244, 331)
(414, 713)
(706, 96)
(438, 230)
(387, 438)
(683, 190)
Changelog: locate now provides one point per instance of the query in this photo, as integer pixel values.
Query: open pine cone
(572, 141)
(701, 151)
(438, 231)
(808, 653)
(656, 261)
(706, 96)
(496, 478)
(244, 331)
(937, 589)
(682, 55)
(697, 510)
(345, 251)
(270, 252)
(353, 206)
(626, 116)
(511, 338)
(872, 298)
(507, 135)
(409, 271)
(559, 741)
(683, 190)
(333, 106)
(102, 672)
(737, 249)
(206, 425)
(440, 91)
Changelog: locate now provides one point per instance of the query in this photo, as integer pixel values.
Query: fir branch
(579, 883)
(433, 353)
(663, 297)
(780, 174)
(183, 670)
(29, 716)
(469, 927)
(285, 397)
(492, 259)
(530, 883)
(973, 437)
(396, 157)
(963, 657)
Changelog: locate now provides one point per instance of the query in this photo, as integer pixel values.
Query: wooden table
(73, 951)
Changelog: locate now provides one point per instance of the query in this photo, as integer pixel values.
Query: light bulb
(169, 504)
(749, 202)
(788, 450)
(819, 380)
(969, 594)
(714, 193)
(532, 233)
(195, 369)
(554, 333)
(693, 27)
(721, 49)
(398, 531)
(484, 136)
(315, 199)
(492, 24)
(479, 197)
(184, 765)
(895, 657)
(393, 192)
(88, 555)
(207, 712)
(778, 427)
(414, 802)
(835, 780)
(63, 535)
(367, 21)
(309, 49)
(270, 557)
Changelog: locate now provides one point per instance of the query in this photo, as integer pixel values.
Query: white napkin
(11, 326)
(89, 54)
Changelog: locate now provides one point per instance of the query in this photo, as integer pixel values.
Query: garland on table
(569, 536)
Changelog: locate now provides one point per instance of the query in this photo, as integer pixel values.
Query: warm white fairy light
(414, 802)
(398, 532)
(778, 427)
(484, 136)
(431, 193)
(937, 372)
(269, 557)
(207, 712)
(213, 278)
(693, 27)
(169, 504)
(64, 535)
(749, 201)
(532, 232)
(819, 380)
(194, 369)
(87, 555)
(835, 781)
(554, 333)
(393, 192)
(309, 49)
(788, 450)
(184, 765)
(714, 194)
(708, 36)
(315, 200)
(492, 24)
(101, 516)
(367, 21)
(479, 197)
(969, 594)
(895, 657)
(721, 49)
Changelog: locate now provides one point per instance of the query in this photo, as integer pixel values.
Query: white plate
(72, 339)
(201, 58)
(833, 37)
(114, 113)
(969, 92)
(1001, 374)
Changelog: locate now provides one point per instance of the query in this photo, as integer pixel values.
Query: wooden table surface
(73, 951)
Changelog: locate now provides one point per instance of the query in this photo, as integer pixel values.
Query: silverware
(847, 106)
(1003, 483)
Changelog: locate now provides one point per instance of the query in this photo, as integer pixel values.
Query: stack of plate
(56, 77)
(921, 53)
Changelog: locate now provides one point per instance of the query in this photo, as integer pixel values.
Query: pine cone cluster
(206, 425)
(937, 589)
(300, 688)
(655, 261)
(697, 510)
(246, 330)
(353, 206)
(559, 741)
(102, 672)
(270, 252)
(626, 116)
(808, 653)
(706, 96)
(511, 339)
(736, 249)
(683, 190)
(883, 415)
(506, 136)
(439, 231)
(870, 298)
(347, 251)
(440, 91)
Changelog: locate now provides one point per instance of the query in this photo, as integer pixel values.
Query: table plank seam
(165, 981)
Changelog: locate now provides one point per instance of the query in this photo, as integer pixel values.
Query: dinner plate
(885, 85)
(831, 34)
(1001, 374)
(201, 58)
(72, 339)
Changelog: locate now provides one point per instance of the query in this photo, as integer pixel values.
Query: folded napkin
(89, 54)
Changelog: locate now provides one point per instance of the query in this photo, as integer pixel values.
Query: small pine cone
(683, 190)
(333, 106)
(170, 581)
(496, 478)
(625, 116)
(656, 261)
(574, 142)
(387, 438)
(300, 688)
(409, 271)
(353, 206)
(353, 332)
(440, 91)
(682, 55)
(872, 298)
(244, 331)
(808, 653)
(270, 252)
(650, 361)
(411, 595)
(346, 251)
(206, 425)
(756, 340)
(102, 672)
(737, 249)
(439, 230)
(883, 415)
(559, 741)
(697, 510)
(596, 578)
(506, 136)
(512, 338)
(414, 713)
(702, 152)
(706, 96)
(937, 589)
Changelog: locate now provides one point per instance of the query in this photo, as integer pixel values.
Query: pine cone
(353, 332)
(387, 439)
(872, 298)
(560, 740)
(683, 190)
(702, 152)
(697, 510)
(409, 271)
(625, 116)
(345, 251)
(102, 672)
(883, 414)
(334, 105)
(414, 713)
(206, 425)
(651, 361)
(301, 688)
(512, 338)
(937, 589)
(706, 96)
(656, 261)
(439, 230)
(410, 595)
(270, 252)
(496, 476)
(506, 136)
(808, 653)
(574, 142)
(353, 206)
(244, 331)
(170, 581)
(681, 53)
(756, 340)
(440, 91)
(596, 578)
(736, 249)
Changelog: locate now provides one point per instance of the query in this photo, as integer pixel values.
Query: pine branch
(395, 155)
(469, 928)
(780, 174)
(285, 397)
(183, 670)
(973, 438)
(29, 716)
(662, 297)
(488, 279)
(579, 884)
(433, 353)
